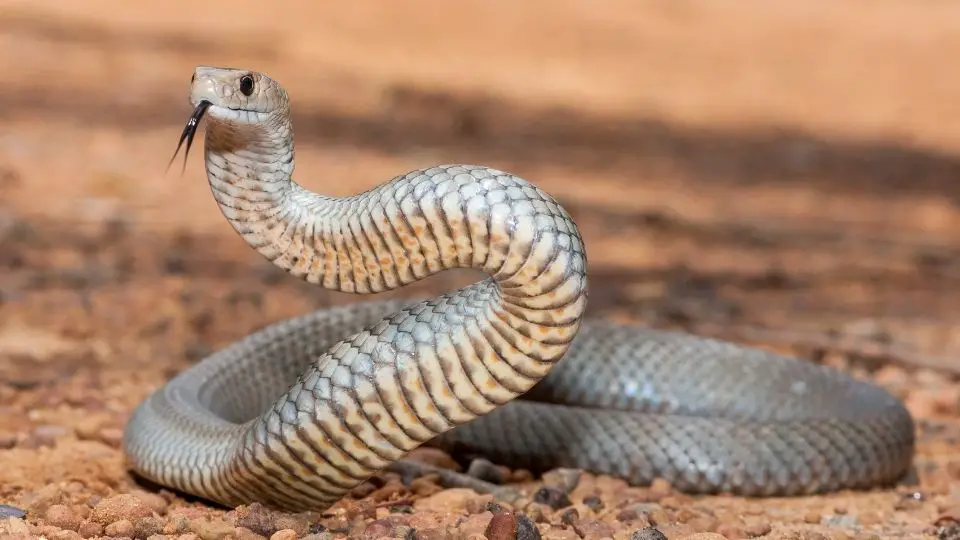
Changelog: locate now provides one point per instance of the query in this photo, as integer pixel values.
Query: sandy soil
(779, 172)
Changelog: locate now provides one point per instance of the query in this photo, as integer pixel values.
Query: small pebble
(754, 530)
(843, 521)
(627, 515)
(730, 530)
(594, 530)
(7, 511)
(425, 486)
(475, 524)
(90, 529)
(684, 514)
(454, 499)
(704, 524)
(584, 512)
(552, 497)
(503, 526)
(526, 529)
(65, 535)
(648, 533)
(593, 502)
(478, 503)
(570, 517)
(120, 507)
(650, 513)
(81, 510)
(949, 532)
(242, 533)
(13, 526)
(558, 533)
(434, 533)
(211, 529)
(563, 480)
(176, 525)
(60, 515)
(812, 517)
(111, 436)
(122, 527)
(37, 502)
(301, 525)
(391, 490)
(284, 534)
(147, 526)
(380, 528)
(256, 518)
(329, 536)
(538, 512)
(660, 488)
(88, 428)
(153, 501)
(47, 435)
(802, 535)
(658, 516)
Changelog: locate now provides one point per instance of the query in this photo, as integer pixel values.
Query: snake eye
(246, 85)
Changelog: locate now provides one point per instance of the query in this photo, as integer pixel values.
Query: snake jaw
(189, 131)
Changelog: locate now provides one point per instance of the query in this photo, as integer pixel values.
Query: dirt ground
(782, 173)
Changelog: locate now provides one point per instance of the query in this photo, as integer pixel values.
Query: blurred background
(772, 169)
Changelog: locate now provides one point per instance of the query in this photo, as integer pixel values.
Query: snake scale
(298, 413)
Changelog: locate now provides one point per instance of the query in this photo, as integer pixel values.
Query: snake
(298, 413)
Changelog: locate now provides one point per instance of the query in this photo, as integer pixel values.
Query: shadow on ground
(490, 130)
(674, 289)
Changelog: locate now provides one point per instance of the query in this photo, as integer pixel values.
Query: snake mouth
(189, 131)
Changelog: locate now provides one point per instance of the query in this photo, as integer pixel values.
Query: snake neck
(249, 168)
(455, 216)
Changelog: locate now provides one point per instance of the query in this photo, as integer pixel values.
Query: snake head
(236, 95)
(230, 96)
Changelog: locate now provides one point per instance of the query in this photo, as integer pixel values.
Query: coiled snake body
(297, 414)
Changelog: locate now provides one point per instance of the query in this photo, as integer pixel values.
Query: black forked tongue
(189, 131)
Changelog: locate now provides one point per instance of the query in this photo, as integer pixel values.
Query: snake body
(300, 412)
